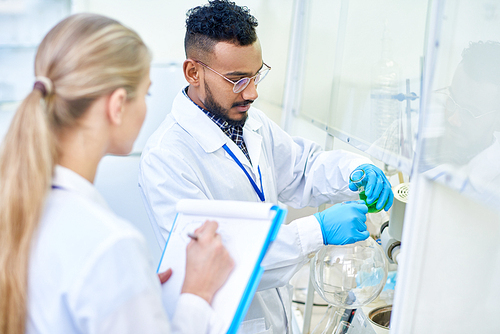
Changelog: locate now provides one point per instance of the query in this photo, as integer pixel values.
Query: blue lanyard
(260, 191)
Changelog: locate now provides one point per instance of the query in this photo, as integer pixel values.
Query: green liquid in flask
(372, 208)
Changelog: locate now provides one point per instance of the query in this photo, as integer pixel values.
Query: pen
(193, 236)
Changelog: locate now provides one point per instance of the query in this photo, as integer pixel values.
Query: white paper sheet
(243, 226)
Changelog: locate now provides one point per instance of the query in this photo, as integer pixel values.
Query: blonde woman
(67, 263)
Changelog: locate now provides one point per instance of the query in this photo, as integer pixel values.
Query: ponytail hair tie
(44, 85)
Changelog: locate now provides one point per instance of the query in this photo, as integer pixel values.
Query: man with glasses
(215, 145)
(472, 103)
(469, 145)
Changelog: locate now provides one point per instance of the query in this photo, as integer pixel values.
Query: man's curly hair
(218, 21)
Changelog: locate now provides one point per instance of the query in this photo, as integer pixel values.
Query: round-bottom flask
(350, 276)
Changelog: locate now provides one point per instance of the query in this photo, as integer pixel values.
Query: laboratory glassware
(350, 276)
(358, 178)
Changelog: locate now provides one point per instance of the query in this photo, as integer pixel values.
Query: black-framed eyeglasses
(241, 84)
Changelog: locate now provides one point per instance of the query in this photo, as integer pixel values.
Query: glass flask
(350, 276)
(358, 178)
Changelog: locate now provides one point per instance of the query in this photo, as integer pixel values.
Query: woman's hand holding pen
(208, 263)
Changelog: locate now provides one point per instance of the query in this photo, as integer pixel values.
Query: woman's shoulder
(88, 259)
(78, 214)
(76, 230)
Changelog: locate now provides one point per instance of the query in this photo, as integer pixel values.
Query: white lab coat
(184, 158)
(90, 271)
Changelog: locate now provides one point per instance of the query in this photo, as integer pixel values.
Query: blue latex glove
(376, 187)
(343, 223)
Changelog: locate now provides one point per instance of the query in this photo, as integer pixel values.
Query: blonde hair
(85, 56)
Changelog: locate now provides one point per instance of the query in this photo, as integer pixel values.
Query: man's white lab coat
(184, 158)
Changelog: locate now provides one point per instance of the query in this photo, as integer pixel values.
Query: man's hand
(343, 223)
(376, 187)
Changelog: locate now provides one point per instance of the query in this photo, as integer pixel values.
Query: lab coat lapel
(211, 138)
(253, 141)
(187, 114)
(239, 154)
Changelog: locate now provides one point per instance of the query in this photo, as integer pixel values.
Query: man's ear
(191, 73)
(116, 105)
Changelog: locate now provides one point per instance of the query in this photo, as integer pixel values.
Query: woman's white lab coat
(184, 158)
(90, 271)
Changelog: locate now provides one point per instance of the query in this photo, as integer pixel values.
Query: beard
(221, 112)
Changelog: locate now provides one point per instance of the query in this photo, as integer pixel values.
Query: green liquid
(371, 207)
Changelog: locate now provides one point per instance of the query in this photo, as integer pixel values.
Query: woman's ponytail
(27, 159)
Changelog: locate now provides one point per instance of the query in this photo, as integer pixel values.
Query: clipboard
(247, 230)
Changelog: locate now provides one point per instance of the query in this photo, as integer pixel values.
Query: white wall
(162, 26)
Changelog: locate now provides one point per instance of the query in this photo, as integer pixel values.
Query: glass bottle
(385, 108)
(358, 178)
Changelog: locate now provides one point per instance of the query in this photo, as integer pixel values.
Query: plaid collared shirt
(233, 132)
